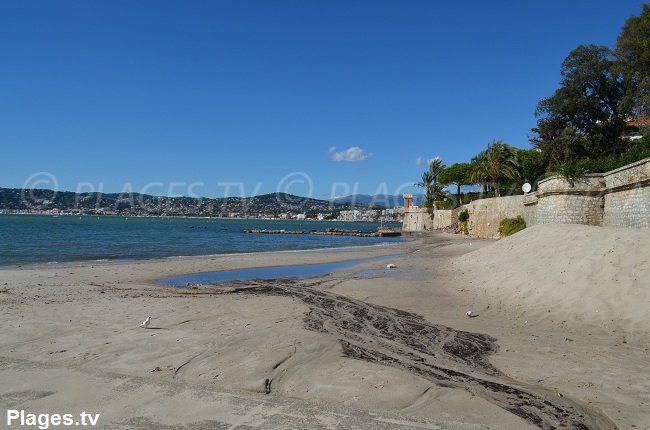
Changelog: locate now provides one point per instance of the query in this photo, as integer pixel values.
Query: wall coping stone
(627, 166)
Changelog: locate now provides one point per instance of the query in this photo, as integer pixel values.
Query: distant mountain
(15, 199)
(385, 200)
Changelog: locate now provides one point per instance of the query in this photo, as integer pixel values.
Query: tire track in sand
(440, 354)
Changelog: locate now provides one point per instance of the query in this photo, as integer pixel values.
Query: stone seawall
(627, 204)
(619, 198)
(423, 220)
(485, 215)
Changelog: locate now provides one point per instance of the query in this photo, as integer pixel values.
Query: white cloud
(418, 161)
(351, 154)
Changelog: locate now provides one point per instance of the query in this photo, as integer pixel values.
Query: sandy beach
(560, 337)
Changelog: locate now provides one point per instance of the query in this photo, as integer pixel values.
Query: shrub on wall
(636, 151)
(445, 204)
(511, 226)
(463, 217)
(579, 168)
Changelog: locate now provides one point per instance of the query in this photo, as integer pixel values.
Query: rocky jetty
(331, 232)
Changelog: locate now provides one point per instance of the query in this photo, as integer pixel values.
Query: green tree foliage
(567, 145)
(581, 128)
(578, 168)
(433, 190)
(533, 164)
(637, 151)
(584, 117)
(435, 168)
(495, 165)
(426, 183)
(633, 54)
(600, 90)
(458, 174)
(438, 192)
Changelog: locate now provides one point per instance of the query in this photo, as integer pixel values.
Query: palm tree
(496, 164)
(435, 168)
(479, 173)
(427, 182)
(437, 192)
(433, 189)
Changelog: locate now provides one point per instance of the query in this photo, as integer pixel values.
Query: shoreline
(71, 338)
(126, 260)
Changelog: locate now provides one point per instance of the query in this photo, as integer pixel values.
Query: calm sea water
(43, 239)
(296, 271)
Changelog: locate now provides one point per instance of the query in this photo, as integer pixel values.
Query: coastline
(221, 218)
(205, 258)
(72, 341)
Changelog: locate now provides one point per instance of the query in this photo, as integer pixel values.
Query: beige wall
(485, 215)
(628, 203)
(619, 198)
(423, 220)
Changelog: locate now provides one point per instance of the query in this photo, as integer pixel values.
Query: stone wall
(561, 201)
(423, 220)
(627, 202)
(628, 208)
(619, 198)
(485, 215)
(416, 220)
(570, 209)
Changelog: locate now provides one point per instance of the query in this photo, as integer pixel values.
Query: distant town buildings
(393, 214)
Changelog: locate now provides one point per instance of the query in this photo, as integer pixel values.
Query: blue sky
(218, 97)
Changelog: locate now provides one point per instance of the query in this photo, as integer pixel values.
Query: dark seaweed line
(441, 354)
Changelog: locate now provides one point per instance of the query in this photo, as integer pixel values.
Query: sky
(245, 97)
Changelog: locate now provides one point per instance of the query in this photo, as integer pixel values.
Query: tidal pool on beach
(273, 272)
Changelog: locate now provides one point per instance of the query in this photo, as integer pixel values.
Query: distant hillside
(14, 199)
(385, 200)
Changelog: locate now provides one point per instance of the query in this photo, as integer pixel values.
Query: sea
(26, 239)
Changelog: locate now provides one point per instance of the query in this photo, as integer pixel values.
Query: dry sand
(562, 334)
